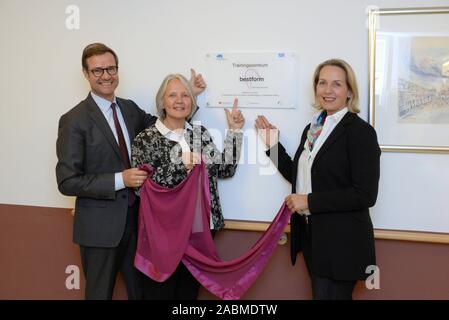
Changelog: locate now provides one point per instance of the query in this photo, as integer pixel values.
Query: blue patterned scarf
(315, 129)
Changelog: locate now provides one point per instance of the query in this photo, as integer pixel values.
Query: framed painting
(409, 78)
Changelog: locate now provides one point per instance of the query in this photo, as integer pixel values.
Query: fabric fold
(174, 227)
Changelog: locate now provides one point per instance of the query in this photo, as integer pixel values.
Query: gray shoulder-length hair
(163, 88)
(353, 101)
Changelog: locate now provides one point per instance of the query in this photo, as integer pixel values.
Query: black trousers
(101, 265)
(324, 288)
(180, 286)
(329, 289)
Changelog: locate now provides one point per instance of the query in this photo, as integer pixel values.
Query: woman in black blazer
(334, 176)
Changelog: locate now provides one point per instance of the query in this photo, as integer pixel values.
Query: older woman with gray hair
(172, 146)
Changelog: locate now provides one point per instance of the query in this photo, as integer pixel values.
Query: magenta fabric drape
(174, 227)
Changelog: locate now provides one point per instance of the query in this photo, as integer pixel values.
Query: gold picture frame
(409, 78)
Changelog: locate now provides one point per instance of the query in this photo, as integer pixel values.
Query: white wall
(41, 79)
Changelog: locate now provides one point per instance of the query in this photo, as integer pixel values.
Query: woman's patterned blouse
(164, 155)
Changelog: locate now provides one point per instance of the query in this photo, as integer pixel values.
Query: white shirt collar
(329, 125)
(102, 103)
(174, 136)
(336, 117)
(162, 128)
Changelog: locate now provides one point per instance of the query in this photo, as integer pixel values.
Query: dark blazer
(88, 158)
(338, 241)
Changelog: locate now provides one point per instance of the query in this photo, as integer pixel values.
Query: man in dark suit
(93, 149)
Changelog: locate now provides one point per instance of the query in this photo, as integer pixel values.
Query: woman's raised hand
(235, 116)
(268, 133)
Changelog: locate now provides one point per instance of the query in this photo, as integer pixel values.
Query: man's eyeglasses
(98, 72)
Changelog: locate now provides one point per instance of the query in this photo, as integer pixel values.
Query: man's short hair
(95, 49)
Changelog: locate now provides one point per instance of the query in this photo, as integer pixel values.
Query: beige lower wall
(36, 247)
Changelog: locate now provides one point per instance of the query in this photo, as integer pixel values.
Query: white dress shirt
(304, 177)
(105, 107)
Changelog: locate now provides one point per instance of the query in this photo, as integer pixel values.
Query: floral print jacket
(164, 155)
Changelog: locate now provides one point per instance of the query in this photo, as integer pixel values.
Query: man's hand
(197, 82)
(235, 117)
(133, 177)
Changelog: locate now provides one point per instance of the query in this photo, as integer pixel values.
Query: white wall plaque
(258, 80)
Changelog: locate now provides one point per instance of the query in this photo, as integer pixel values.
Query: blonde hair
(351, 82)
(163, 88)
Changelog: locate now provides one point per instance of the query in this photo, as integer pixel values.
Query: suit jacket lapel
(102, 124)
(296, 159)
(128, 117)
(335, 134)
